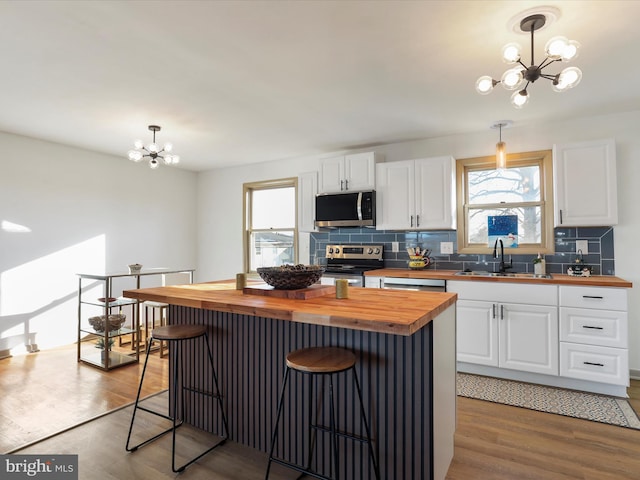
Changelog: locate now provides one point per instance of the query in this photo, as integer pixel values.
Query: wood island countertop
(398, 312)
(556, 278)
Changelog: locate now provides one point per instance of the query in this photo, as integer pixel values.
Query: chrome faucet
(503, 266)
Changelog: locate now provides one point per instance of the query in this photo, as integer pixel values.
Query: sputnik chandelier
(557, 49)
(153, 151)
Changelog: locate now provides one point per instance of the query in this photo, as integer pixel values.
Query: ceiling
(238, 82)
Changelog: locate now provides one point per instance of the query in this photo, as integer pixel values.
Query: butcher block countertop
(399, 312)
(556, 279)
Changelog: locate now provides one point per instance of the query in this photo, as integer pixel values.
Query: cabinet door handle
(417, 220)
(493, 310)
(346, 184)
(411, 220)
(501, 312)
(341, 185)
(560, 216)
(593, 328)
(592, 296)
(594, 364)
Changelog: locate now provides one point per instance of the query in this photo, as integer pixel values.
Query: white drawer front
(597, 364)
(504, 292)
(594, 327)
(604, 298)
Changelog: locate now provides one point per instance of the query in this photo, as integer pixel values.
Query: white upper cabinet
(416, 194)
(307, 190)
(348, 172)
(585, 191)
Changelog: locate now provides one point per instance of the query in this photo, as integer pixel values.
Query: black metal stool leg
(366, 425)
(332, 425)
(275, 427)
(176, 352)
(137, 407)
(217, 393)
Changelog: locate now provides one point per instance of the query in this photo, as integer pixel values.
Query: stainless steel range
(350, 262)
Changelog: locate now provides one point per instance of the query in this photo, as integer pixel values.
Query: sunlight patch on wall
(39, 299)
(11, 227)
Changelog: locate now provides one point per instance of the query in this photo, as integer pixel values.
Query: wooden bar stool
(177, 336)
(322, 361)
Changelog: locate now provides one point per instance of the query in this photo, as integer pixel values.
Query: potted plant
(539, 266)
(100, 345)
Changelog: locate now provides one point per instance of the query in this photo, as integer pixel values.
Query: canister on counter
(241, 281)
(342, 288)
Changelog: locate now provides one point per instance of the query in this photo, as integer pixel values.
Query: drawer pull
(593, 328)
(592, 296)
(594, 364)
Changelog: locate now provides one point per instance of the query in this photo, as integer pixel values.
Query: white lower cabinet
(508, 335)
(508, 325)
(564, 336)
(594, 334)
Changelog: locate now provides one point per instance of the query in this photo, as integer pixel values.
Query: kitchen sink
(484, 273)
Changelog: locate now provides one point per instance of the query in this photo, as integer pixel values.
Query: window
(523, 189)
(270, 223)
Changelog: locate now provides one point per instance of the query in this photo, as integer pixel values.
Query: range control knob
(337, 250)
(376, 251)
(330, 249)
(370, 250)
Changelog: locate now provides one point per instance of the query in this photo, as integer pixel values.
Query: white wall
(220, 192)
(82, 212)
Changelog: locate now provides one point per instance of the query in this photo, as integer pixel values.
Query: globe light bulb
(153, 148)
(512, 78)
(568, 78)
(570, 51)
(168, 159)
(520, 99)
(134, 155)
(555, 47)
(485, 84)
(153, 163)
(168, 147)
(511, 53)
(176, 159)
(138, 144)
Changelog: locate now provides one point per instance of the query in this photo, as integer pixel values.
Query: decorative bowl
(291, 277)
(116, 321)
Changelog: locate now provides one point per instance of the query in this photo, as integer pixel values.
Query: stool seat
(178, 332)
(321, 360)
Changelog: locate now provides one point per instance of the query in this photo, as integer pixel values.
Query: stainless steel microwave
(346, 209)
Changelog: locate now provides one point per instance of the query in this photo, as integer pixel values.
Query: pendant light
(501, 147)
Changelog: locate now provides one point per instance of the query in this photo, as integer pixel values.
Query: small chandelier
(153, 151)
(557, 49)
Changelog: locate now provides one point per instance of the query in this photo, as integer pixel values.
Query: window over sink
(523, 189)
(270, 233)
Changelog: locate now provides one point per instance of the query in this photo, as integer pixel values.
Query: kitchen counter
(365, 309)
(556, 278)
(405, 346)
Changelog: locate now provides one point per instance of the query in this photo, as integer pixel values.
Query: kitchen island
(405, 344)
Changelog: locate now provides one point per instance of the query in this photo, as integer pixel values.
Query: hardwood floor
(45, 392)
(49, 391)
